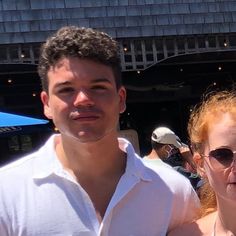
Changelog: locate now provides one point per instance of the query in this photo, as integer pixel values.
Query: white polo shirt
(37, 197)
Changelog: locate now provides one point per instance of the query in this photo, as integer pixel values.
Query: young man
(169, 151)
(86, 181)
(162, 141)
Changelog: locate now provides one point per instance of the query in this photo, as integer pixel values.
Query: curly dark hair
(80, 42)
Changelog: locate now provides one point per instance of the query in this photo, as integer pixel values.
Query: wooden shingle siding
(121, 18)
(161, 28)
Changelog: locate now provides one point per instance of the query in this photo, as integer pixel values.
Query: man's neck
(97, 167)
(94, 159)
(153, 155)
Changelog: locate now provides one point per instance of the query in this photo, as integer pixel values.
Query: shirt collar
(134, 165)
(47, 163)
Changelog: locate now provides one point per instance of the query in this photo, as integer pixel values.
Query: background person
(212, 130)
(86, 181)
(162, 140)
(181, 160)
(167, 148)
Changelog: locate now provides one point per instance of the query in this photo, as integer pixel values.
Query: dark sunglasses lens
(222, 155)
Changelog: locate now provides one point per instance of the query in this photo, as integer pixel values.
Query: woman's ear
(199, 161)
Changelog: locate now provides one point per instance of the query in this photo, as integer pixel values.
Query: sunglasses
(221, 157)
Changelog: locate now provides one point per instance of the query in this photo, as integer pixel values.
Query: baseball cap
(166, 136)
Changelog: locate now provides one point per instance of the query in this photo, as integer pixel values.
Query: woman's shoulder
(186, 230)
(202, 226)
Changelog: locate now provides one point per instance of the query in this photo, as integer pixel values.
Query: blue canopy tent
(12, 122)
(12, 128)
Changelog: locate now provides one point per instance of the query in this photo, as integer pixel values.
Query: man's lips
(84, 116)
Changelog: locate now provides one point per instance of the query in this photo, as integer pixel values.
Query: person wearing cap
(169, 151)
(162, 140)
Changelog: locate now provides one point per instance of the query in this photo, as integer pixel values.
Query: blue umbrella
(12, 120)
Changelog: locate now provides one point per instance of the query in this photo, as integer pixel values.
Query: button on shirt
(38, 197)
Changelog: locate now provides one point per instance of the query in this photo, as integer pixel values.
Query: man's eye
(65, 90)
(98, 87)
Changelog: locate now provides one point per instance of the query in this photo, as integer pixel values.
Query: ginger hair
(210, 110)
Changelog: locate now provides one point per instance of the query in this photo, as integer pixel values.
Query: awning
(11, 122)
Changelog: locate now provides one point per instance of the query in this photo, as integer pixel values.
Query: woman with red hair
(212, 131)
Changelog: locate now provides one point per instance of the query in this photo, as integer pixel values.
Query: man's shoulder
(186, 230)
(25, 164)
(15, 176)
(161, 176)
(152, 163)
(163, 171)
(166, 176)
(21, 166)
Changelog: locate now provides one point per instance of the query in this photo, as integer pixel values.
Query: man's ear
(122, 95)
(199, 161)
(167, 147)
(45, 100)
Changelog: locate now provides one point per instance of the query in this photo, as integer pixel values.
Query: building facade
(149, 31)
(171, 51)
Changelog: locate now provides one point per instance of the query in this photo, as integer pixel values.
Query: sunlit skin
(84, 104)
(221, 133)
(82, 99)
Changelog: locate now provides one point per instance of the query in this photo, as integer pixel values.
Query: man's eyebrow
(101, 80)
(94, 81)
(59, 84)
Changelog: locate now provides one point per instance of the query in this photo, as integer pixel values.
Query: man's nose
(83, 98)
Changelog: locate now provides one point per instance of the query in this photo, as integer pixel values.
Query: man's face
(165, 151)
(82, 99)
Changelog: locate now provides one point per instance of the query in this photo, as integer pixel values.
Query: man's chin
(85, 136)
(88, 139)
